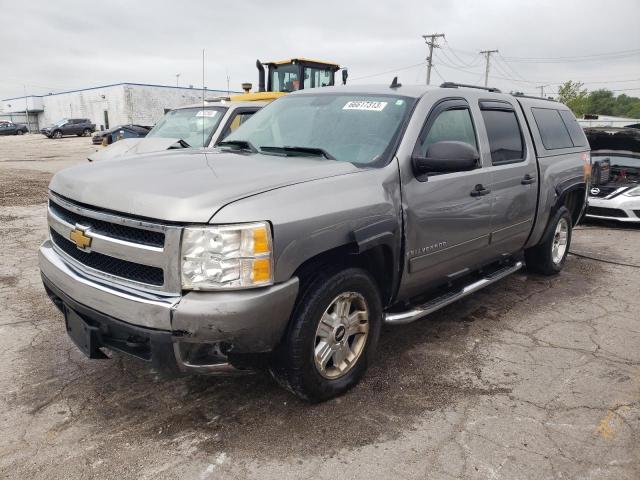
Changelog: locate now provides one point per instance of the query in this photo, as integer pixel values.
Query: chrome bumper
(137, 308)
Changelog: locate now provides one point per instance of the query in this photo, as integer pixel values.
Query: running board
(419, 311)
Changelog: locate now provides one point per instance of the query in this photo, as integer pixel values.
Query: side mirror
(446, 157)
(345, 75)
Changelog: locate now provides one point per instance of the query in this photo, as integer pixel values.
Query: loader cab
(299, 73)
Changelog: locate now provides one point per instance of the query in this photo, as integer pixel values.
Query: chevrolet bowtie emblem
(80, 238)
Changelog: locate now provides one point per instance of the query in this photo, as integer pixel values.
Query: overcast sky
(62, 45)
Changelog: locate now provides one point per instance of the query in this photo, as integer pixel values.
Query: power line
(475, 61)
(576, 57)
(421, 64)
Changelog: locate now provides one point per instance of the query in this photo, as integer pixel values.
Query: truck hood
(132, 146)
(186, 186)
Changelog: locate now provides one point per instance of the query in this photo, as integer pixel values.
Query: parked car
(10, 128)
(119, 132)
(615, 189)
(191, 126)
(328, 213)
(69, 126)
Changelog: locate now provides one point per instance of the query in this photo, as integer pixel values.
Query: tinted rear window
(552, 129)
(504, 134)
(576, 133)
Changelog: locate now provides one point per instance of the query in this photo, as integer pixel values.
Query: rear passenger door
(514, 181)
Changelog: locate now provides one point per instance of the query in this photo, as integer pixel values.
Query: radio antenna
(203, 88)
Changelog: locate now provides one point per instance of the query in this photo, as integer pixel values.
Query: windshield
(61, 122)
(352, 128)
(192, 125)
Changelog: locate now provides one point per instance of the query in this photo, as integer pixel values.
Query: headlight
(227, 257)
(634, 192)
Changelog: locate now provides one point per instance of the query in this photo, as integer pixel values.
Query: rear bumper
(242, 322)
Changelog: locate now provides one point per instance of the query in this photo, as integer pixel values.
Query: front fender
(360, 209)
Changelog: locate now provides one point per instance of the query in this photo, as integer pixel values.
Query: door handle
(479, 191)
(528, 179)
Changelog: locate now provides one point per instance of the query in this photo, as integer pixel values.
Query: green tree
(574, 96)
(601, 102)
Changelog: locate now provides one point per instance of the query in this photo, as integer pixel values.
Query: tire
(19, 132)
(86, 132)
(295, 365)
(56, 134)
(549, 256)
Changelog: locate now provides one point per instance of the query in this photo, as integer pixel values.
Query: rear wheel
(549, 256)
(332, 336)
(19, 132)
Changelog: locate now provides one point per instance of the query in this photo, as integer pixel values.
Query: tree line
(599, 102)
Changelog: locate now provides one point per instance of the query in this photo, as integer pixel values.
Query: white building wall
(90, 103)
(125, 103)
(146, 104)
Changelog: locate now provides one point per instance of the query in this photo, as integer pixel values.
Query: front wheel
(57, 134)
(86, 132)
(332, 336)
(549, 256)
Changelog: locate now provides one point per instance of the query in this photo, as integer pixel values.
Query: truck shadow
(420, 367)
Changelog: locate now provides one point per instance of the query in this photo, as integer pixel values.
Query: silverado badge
(80, 238)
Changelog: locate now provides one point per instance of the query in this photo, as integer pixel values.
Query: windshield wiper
(309, 151)
(239, 144)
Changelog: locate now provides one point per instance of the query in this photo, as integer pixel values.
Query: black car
(10, 128)
(121, 131)
(81, 127)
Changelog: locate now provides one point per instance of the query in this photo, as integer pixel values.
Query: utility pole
(26, 109)
(487, 54)
(430, 40)
(541, 87)
(177, 79)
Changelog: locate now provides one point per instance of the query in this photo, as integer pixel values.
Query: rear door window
(577, 135)
(552, 129)
(505, 137)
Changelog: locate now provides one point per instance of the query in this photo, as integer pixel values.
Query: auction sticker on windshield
(365, 105)
(206, 113)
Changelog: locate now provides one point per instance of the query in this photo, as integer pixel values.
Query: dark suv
(69, 126)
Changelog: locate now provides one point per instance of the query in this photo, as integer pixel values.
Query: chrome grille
(121, 232)
(111, 265)
(133, 253)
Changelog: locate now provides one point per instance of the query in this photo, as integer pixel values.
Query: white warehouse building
(106, 106)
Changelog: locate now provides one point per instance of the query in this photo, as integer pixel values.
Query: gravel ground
(532, 377)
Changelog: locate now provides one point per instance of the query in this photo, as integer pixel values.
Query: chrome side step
(419, 311)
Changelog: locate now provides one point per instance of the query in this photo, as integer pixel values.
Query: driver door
(447, 215)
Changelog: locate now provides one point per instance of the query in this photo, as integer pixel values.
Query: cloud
(54, 46)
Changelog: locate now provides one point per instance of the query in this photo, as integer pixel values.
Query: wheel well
(378, 261)
(574, 201)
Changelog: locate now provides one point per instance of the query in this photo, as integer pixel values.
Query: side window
(505, 136)
(577, 135)
(238, 120)
(552, 130)
(315, 77)
(450, 125)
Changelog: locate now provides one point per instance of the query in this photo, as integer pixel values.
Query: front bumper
(620, 208)
(243, 322)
